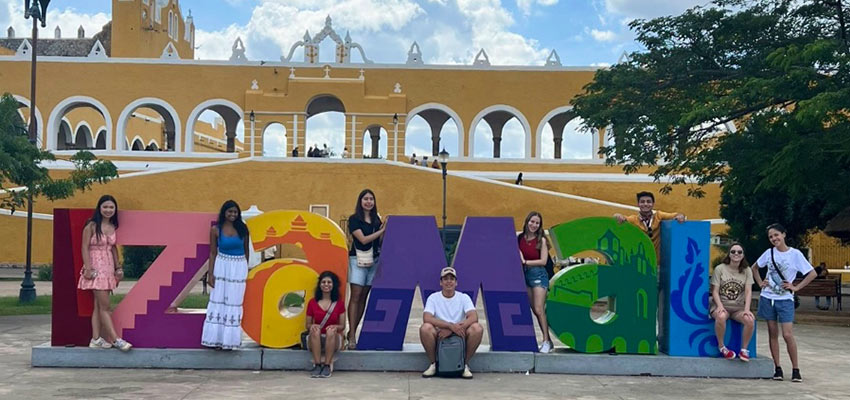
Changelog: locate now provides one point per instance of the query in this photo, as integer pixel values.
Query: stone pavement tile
(824, 358)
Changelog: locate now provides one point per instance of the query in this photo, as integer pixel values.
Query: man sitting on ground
(449, 312)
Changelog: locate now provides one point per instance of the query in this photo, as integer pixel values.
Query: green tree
(22, 173)
(754, 94)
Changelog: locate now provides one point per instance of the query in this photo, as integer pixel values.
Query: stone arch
(230, 112)
(153, 145)
(319, 104)
(138, 144)
(273, 135)
(323, 103)
(68, 104)
(100, 139)
(25, 102)
(170, 120)
(444, 109)
(377, 135)
(500, 108)
(65, 136)
(558, 119)
(83, 137)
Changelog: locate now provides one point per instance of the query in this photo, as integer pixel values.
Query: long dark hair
(744, 263)
(360, 213)
(239, 224)
(537, 235)
(97, 217)
(334, 290)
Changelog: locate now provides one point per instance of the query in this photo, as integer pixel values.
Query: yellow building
(125, 110)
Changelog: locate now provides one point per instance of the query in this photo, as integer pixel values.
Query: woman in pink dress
(101, 272)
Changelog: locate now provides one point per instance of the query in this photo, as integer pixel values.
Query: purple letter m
(486, 258)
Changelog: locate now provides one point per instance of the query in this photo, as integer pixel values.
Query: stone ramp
(410, 359)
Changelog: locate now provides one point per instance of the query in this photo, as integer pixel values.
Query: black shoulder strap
(773, 261)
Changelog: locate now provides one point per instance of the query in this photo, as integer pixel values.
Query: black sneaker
(777, 375)
(326, 372)
(795, 375)
(316, 371)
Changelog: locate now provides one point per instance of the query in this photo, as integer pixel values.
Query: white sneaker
(546, 347)
(467, 374)
(99, 343)
(431, 371)
(122, 344)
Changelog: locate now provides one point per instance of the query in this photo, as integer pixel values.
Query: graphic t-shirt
(732, 286)
(788, 264)
(318, 314)
(354, 224)
(452, 309)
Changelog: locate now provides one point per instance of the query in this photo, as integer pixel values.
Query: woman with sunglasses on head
(776, 302)
(731, 293)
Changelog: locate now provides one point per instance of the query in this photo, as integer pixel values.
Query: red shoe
(726, 353)
(744, 355)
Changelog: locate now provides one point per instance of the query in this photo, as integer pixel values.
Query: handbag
(305, 334)
(365, 258)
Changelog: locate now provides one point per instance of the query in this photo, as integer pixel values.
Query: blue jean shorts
(536, 277)
(361, 276)
(776, 310)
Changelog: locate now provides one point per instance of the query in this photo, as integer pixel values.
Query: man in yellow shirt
(649, 220)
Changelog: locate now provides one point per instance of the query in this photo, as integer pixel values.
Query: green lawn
(9, 305)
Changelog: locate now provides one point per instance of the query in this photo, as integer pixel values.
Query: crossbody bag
(321, 325)
(782, 276)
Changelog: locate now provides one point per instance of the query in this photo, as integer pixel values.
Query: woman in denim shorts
(534, 253)
(366, 229)
(776, 302)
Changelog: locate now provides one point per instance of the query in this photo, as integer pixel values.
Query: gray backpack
(451, 355)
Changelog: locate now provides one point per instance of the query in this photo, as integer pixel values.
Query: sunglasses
(736, 251)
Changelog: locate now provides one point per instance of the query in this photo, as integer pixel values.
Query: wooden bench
(829, 287)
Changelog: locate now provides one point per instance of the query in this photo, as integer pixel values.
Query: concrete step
(411, 359)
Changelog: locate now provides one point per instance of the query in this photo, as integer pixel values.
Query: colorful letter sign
(486, 257)
(149, 307)
(270, 317)
(688, 329)
(627, 275)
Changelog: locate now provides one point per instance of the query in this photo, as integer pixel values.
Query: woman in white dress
(228, 270)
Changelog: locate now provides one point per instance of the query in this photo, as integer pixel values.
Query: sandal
(350, 344)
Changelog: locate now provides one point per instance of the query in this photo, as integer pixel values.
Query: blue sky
(512, 32)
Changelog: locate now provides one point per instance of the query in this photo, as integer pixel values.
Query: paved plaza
(823, 353)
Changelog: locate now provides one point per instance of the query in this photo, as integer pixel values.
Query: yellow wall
(133, 36)
(281, 99)
(624, 193)
(296, 185)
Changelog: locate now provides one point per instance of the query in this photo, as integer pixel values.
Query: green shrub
(45, 273)
(137, 259)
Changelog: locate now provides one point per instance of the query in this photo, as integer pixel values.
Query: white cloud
(274, 141)
(603, 36)
(527, 5)
(650, 8)
(327, 128)
(67, 19)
